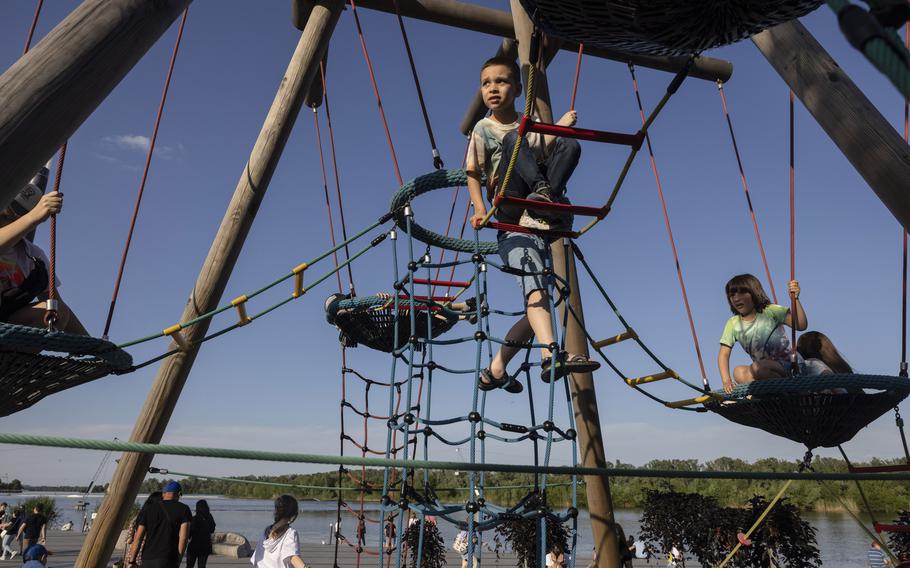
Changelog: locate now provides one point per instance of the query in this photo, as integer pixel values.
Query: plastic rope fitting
(240, 304)
(298, 280)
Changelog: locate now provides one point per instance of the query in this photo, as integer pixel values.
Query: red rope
(442, 253)
(325, 187)
(385, 123)
(344, 227)
(903, 367)
(793, 316)
(145, 172)
(742, 175)
(50, 315)
(437, 160)
(581, 49)
(663, 204)
(31, 30)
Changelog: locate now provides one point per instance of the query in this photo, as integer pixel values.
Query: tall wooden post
(53, 88)
(584, 399)
(865, 137)
(254, 181)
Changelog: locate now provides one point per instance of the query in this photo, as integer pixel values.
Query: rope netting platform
(373, 321)
(663, 27)
(27, 377)
(823, 411)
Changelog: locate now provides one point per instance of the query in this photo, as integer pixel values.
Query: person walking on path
(8, 531)
(165, 526)
(280, 544)
(201, 528)
(875, 558)
(12, 533)
(34, 529)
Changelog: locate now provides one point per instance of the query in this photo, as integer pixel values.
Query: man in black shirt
(164, 526)
(34, 529)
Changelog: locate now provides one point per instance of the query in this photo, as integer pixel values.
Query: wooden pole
(57, 84)
(251, 188)
(584, 399)
(499, 23)
(865, 137)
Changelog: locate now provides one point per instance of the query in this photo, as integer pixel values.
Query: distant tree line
(627, 492)
(14, 486)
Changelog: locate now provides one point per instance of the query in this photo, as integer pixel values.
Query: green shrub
(48, 506)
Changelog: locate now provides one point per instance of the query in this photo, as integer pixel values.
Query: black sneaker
(542, 192)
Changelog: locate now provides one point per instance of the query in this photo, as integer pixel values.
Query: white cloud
(139, 143)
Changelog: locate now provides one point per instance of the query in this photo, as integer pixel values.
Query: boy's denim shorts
(527, 253)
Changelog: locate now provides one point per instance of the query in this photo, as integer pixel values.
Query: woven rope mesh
(25, 378)
(663, 27)
(375, 327)
(811, 418)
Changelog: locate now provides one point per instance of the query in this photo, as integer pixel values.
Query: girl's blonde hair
(816, 345)
(751, 285)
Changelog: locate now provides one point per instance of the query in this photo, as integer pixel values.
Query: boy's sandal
(567, 363)
(560, 368)
(581, 364)
(513, 386)
(488, 382)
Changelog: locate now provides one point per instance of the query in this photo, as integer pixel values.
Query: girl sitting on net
(758, 325)
(820, 356)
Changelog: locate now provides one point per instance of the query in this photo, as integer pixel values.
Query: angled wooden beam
(865, 137)
(213, 277)
(50, 91)
(499, 23)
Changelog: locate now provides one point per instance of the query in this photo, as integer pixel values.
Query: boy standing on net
(541, 172)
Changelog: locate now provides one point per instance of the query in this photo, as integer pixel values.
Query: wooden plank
(50, 91)
(865, 137)
(213, 277)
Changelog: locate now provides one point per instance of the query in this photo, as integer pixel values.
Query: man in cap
(24, 266)
(35, 556)
(165, 527)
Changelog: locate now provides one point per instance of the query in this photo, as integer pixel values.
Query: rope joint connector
(240, 304)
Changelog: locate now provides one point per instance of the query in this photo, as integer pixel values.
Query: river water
(840, 540)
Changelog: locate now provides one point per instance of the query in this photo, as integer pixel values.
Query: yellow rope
(757, 522)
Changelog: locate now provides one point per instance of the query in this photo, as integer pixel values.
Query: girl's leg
(758, 370)
(203, 560)
(191, 559)
(520, 333)
(538, 314)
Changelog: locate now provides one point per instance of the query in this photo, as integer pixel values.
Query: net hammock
(28, 373)
(662, 27)
(371, 321)
(823, 411)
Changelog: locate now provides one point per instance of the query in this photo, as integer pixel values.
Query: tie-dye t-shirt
(485, 148)
(762, 338)
(16, 263)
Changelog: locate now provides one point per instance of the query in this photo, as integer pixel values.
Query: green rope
(288, 457)
(888, 55)
(326, 487)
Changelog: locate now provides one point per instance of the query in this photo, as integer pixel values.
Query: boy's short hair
(505, 62)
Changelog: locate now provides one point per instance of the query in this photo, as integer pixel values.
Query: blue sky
(275, 384)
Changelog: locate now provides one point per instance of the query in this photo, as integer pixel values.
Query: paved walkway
(65, 547)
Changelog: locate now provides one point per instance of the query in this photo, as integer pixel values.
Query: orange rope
(742, 175)
(581, 50)
(344, 227)
(50, 315)
(31, 30)
(663, 204)
(325, 188)
(145, 173)
(385, 123)
(903, 367)
(793, 318)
